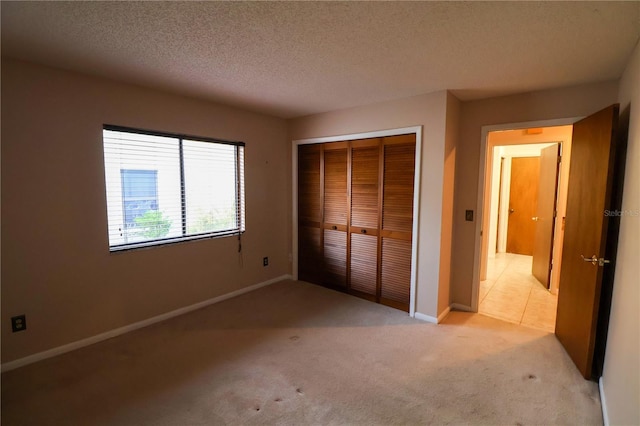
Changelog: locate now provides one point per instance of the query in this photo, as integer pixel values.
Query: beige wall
(429, 111)
(545, 105)
(621, 375)
(56, 265)
(448, 190)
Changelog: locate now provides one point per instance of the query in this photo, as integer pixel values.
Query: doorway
(596, 175)
(526, 188)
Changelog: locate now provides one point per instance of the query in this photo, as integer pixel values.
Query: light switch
(468, 215)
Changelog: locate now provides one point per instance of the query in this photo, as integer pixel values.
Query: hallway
(512, 294)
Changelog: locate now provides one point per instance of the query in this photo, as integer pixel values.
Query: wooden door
(335, 213)
(310, 213)
(587, 235)
(363, 229)
(355, 217)
(546, 214)
(397, 220)
(523, 195)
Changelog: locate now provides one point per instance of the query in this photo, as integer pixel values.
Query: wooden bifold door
(355, 217)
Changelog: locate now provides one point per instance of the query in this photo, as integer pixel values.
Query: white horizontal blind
(163, 188)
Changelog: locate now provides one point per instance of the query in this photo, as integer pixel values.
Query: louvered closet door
(365, 201)
(309, 213)
(336, 203)
(397, 220)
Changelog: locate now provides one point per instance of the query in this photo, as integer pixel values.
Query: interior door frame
(477, 258)
(417, 130)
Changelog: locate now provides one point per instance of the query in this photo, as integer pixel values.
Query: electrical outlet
(18, 323)
(265, 261)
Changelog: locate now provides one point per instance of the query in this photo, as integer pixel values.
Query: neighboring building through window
(164, 188)
(139, 194)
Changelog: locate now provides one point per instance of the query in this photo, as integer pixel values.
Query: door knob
(363, 231)
(511, 210)
(535, 218)
(594, 260)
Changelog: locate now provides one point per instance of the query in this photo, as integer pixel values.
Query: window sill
(169, 241)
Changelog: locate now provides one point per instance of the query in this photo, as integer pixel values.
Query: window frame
(240, 227)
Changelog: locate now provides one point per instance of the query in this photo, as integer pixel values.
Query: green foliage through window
(153, 224)
(216, 219)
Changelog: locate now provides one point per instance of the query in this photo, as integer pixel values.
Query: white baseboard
(427, 318)
(443, 314)
(12, 365)
(460, 307)
(603, 403)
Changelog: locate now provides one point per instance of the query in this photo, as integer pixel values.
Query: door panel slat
(398, 182)
(335, 186)
(335, 261)
(309, 254)
(309, 183)
(363, 268)
(364, 187)
(396, 270)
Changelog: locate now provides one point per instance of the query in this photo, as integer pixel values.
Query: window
(163, 188)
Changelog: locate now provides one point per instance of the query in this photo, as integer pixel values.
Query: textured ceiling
(296, 58)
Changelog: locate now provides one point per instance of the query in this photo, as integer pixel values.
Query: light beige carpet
(293, 353)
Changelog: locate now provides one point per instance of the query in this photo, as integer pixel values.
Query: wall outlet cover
(18, 323)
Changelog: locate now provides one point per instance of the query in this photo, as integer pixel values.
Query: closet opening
(355, 214)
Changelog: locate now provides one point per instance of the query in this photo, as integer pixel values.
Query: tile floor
(511, 293)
